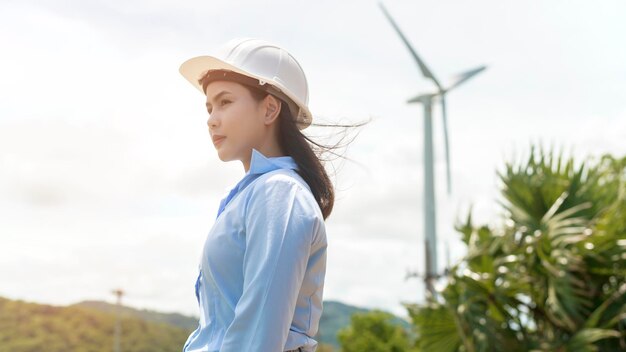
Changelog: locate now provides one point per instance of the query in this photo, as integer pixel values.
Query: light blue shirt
(262, 268)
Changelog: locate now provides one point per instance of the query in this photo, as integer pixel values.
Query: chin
(223, 155)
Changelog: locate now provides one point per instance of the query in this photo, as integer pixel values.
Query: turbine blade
(422, 66)
(462, 77)
(445, 134)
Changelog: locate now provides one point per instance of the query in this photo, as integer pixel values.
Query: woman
(261, 274)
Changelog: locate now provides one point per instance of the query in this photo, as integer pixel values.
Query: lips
(217, 138)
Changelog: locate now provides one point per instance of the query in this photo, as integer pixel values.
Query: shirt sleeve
(280, 226)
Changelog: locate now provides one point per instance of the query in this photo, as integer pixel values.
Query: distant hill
(88, 326)
(335, 316)
(175, 319)
(31, 327)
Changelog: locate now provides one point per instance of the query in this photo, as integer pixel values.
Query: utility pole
(118, 328)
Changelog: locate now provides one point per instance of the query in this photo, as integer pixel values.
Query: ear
(272, 109)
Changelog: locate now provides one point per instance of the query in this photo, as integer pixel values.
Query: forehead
(215, 87)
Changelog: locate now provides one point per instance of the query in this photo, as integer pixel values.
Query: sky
(108, 177)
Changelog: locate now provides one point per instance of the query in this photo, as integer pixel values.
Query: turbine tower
(426, 99)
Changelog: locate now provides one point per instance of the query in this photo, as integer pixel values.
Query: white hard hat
(276, 70)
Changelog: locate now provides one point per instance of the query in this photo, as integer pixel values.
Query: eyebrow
(217, 96)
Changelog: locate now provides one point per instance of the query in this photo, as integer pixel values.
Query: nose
(212, 121)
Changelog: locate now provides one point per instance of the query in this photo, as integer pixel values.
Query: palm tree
(552, 277)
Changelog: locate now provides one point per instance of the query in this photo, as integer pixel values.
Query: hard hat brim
(193, 69)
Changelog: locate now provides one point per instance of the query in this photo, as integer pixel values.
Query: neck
(270, 151)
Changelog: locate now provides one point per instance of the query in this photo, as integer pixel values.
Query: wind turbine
(429, 185)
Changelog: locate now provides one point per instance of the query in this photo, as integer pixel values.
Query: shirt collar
(260, 164)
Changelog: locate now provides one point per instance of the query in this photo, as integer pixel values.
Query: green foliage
(373, 331)
(438, 331)
(335, 316)
(553, 278)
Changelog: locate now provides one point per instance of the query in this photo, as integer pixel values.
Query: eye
(221, 103)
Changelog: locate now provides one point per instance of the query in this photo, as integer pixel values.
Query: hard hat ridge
(273, 67)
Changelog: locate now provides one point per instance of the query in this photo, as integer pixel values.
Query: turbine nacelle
(455, 81)
(423, 98)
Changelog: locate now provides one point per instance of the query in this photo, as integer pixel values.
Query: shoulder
(282, 178)
(284, 185)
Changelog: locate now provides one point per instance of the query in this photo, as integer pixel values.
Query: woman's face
(235, 120)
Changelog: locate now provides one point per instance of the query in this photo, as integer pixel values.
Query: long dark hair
(307, 153)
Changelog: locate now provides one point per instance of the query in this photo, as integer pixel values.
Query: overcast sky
(108, 177)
